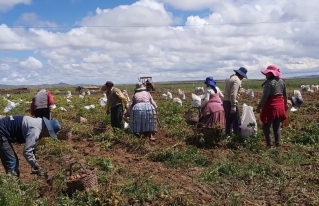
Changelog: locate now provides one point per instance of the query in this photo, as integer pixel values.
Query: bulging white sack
(248, 121)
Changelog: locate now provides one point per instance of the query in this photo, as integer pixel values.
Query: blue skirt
(143, 118)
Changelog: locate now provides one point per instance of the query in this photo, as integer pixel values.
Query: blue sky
(82, 41)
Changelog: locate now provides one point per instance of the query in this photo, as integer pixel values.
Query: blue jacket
(22, 129)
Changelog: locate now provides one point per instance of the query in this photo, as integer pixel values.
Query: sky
(94, 41)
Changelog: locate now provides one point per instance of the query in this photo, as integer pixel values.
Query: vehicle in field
(148, 82)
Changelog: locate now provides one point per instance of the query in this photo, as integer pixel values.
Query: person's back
(41, 102)
(232, 87)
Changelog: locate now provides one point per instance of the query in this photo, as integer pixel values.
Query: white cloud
(32, 19)
(190, 5)
(21, 80)
(141, 39)
(4, 66)
(8, 4)
(95, 57)
(31, 63)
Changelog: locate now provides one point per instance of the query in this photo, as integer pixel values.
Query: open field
(179, 168)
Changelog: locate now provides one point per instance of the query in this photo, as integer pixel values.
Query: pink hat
(273, 69)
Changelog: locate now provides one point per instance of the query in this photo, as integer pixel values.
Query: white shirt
(209, 91)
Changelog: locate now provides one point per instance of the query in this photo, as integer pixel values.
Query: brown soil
(184, 181)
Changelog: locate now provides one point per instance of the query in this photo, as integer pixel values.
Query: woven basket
(198, 129)
(65, 134)
(86, 180)
(192, 115)
(212, 134)
(99, 128)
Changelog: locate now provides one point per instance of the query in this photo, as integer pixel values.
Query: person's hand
(233, 109)
(258, 110)
(37, 170)
(128, 112)
(286, 106)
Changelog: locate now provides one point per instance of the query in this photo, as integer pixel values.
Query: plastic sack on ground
(53, 106)
(103, 102)
(89, 107)
(250, 94)
(62, 109)
(178, 101)
(10, 106)
(196, 100)
(248, 121)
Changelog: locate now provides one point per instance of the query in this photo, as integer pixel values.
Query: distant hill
(61, 84)
(307, 76)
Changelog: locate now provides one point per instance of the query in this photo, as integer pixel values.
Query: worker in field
(41, 104)
(143, 114)
(212, 111)
(27, 130)
(149, 86)
(116, 104)
(273, 104)
(230, 102)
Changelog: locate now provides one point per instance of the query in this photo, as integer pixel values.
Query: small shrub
(308, 134)
(104, 164)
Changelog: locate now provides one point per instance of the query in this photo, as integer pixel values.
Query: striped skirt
(143, 118)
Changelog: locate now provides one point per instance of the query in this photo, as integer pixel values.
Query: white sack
(164, 96)
(196, 100)
(250, 94)
(102, 102)
(178, 101)
(126, 125)
(10, 105)
(248, 118)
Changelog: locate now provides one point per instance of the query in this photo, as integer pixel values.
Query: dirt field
(133, 163)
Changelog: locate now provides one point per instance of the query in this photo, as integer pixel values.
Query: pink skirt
(213, 119)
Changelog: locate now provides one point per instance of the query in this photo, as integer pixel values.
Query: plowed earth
(184, 181)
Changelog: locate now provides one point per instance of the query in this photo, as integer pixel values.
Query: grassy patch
(175, 158)
(13, 192)
(144, 190)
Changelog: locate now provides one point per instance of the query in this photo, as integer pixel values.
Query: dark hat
(53, 126)
(210, 81)
(242, 71)
(109, 83)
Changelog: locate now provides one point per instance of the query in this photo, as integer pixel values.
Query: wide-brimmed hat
(210, 81)
(139, 86)
(242, 71)
(53, 127)
(271, 69)
(109, 84)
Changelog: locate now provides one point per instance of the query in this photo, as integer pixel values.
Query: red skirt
(273, 108)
